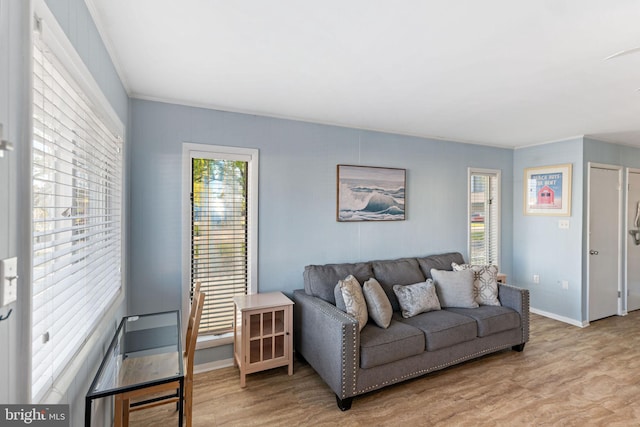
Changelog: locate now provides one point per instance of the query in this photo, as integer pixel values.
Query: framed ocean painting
(367, 193)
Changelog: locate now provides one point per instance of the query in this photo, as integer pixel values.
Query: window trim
(189, 151)
(56, 39)
(480, 171)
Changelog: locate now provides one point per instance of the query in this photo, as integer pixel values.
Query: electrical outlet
(8, 281)
(536, 278)
(565, 284)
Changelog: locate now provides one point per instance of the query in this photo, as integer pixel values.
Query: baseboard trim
(212, 366)
(559, 318)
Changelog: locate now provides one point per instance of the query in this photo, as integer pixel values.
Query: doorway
(603, 258)
(633, 240)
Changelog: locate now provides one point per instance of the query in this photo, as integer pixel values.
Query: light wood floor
(566, 376)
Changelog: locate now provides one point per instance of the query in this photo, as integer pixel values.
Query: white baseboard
(559, 318)
(211, 366)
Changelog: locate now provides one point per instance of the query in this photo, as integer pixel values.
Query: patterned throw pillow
(378, 304)
(485, 282)
(354, 299)
(455, 288)
(417, 298)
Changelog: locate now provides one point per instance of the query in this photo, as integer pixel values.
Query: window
(484, 216)
(77, 229)
(222, 227)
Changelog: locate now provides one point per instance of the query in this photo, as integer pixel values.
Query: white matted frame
(547, 190)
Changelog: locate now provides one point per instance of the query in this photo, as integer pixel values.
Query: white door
(633, 248)
(604, 229)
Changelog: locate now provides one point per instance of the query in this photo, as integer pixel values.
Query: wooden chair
(130, 401)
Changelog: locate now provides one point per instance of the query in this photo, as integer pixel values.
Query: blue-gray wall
(539, 246)
(297, 224)
(15, 21)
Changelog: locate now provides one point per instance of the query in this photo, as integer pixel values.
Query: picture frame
(370, 193)
(547, 190)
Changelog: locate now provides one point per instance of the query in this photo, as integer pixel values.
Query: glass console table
(145, 351)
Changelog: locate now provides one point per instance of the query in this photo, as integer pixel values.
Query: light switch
(8, 281)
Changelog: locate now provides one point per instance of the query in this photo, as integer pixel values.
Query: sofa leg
(518, 347)
(344, 404)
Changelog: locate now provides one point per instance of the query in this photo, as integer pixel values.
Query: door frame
(621, 222)
(625, 246)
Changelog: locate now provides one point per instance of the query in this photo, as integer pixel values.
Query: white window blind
(220, 234)
(484, 221)
(77, 225)
(220, 229)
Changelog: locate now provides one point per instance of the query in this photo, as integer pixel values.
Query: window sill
(208, 341)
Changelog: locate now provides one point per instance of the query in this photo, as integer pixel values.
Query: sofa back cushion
(404, 271)
(320, 280)
(439, 262)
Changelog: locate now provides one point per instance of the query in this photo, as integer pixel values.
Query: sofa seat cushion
(491, 319)
(379, 346)
(444, 328)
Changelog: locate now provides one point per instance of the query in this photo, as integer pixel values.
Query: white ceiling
(497, 72)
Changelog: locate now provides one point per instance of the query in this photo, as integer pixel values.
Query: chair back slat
(193, 338)
(192, 313)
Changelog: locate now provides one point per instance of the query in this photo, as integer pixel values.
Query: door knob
(592, 252)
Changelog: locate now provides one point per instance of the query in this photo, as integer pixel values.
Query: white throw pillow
(378, 305)
(455, 288)
(417, 298)
(354, 301)
(485, 282)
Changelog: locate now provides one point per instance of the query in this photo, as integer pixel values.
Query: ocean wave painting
(370, 193)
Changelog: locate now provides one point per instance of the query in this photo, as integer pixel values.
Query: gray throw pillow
(417, 298)
(378, 305)
(354, 299)
(455, 288)
(337, 293)
(485, 282)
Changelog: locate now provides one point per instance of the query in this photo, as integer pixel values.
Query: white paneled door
(604, 232)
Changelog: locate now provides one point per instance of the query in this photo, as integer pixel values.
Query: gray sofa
(353, 362)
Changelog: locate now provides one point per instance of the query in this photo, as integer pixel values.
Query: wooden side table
(263, 333)
(502, 278)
